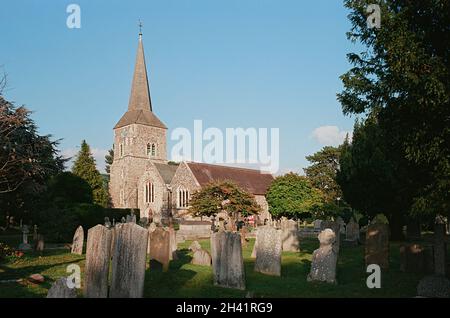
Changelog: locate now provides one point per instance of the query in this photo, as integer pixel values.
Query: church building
(141, 176)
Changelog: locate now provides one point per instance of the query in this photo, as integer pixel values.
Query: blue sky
(247, 63)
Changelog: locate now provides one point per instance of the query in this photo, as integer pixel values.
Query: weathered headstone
(227, 260)
(78, 241)
(289, 236)
(160, 249)
(317, 225)
(173, 243)
(200, 256)
(107, 222)
(341, 223)
(377, 245)
(352, 231)
(60, 289)
(98, 255)
(324, 259)
(434, 286)
(128, 263)
(416, 258)
(439, 248)
(268, 251)
(39, 243)
(336, 228)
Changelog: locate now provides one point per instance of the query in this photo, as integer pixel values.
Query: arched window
(153, 150)
(182, 198)
(149, 194)
(121, 150)
(149, 149)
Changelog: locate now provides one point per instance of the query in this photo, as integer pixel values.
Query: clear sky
(230, 63)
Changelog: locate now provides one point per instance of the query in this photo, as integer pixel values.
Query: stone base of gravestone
(78, 241)
(416, 258)
(59, 289)
(377, 245)
(227, 260)
(268, 251)
(324, 259)
(128, 262)
(98, 256)
(160, 247)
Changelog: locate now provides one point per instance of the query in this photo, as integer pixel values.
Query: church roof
(251, 180)
(166, 171)
(140, 104)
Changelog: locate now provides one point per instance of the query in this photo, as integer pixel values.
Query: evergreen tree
(84, 167)
(109, 158)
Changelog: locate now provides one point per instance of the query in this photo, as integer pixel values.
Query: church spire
(140, 92)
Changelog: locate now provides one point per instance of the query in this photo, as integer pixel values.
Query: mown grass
(185, 280)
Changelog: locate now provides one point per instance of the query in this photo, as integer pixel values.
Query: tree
(403, 79)
(293, 195)
(27, 161)
(225, 196)
(109, 158)
(322, 172)
(84, 167)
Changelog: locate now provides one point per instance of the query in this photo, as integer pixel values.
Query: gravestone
(243, 231)
(128, 263)
(377, 245)
(131, 218)
(107, 222)
(255, 246)
(39, 243)
(227, 260)
(268, 251)
(98, 255)
(173, 244)
(35, 232)
(439, 248)
(434, 286)
(78, 240)
(59, 289)
(416, 258)
(289, 235)
(336, 228)
(352, 231)
(160, 249)
(200, 256)
(324, 259)
(25, 245)
(317, 225)
(341, 223)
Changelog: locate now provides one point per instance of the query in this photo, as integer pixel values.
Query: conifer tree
(85, 168)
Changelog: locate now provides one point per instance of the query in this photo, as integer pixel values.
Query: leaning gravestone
(324, 259)
(160, 248)
(98, 255)
(60, 289)
(78, 240)
(227, 260)
(377, 245)
(128, 264)
(268, 251)
(289, 236)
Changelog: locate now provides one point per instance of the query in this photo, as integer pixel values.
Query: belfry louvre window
(149, 192)
(151, 150)
(182, 198)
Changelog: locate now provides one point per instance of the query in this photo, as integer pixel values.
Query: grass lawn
(185, 280)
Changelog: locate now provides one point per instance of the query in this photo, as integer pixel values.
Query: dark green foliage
(403, 79)
(84, 167)
(223, 195)
(109, 158)
(292, 195)
(68, 188)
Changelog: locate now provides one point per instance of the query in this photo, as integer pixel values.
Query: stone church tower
(139, 140)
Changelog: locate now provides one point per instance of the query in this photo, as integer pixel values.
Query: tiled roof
(250, 180)
(143, 117)
(166, 171)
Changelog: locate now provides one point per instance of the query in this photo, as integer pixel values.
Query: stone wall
(183, 178)
(159, 206)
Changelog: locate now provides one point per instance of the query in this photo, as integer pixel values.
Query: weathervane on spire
(140, 27)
